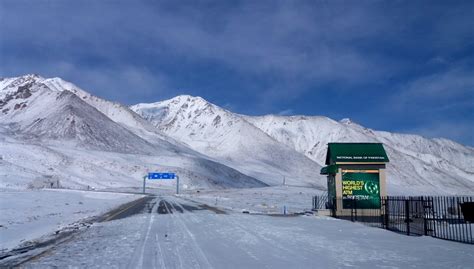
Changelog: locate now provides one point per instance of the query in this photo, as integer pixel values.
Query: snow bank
(269, 200)
(27, 215)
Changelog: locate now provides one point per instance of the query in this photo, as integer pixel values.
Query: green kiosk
(355, 176)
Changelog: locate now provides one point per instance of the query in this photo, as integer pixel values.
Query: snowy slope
(231, 140)
(48, 133)
(212, 146)
(53, 210)
(44, 113)
(25, 165)
(417, 164)
(115, 111)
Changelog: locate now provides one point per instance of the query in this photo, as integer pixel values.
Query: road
(170, 232)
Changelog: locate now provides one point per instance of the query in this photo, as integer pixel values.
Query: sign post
(177, 184)
(162, 176)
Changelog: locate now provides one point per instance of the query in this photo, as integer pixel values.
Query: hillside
(231, 140)
(49, 134)
(418, 165)
(52, 129)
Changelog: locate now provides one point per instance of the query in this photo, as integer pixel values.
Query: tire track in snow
(138, 258)
(261, 238)
(191, 257)
(176, 244)
(196, 248)
(160, 257)
(171, 251)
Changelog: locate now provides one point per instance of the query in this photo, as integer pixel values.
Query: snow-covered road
(175, 233)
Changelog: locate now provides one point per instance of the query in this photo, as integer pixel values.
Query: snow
(417, 165)
(267, 200)
(28, 215)
(51, 131)
(78, 139)
(230, 139)
(228, 149)
(25, 165)
(203, 239)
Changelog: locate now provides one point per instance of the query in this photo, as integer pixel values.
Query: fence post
(355, 209)
(407, 215)
(433, 212)
(386, 212)
(425, 222)
(352, 209)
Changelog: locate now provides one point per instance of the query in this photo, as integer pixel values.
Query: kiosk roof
(356, 153)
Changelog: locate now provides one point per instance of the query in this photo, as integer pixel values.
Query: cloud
(279, 40)
(452, 83)
(276, 41)
(124, 83)
(436, 105)
(259, 56)
(452, 89)
(127, 84)
(453, 130)
(293, 44)
(286, 112)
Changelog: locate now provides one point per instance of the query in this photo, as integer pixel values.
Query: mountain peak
(33, 75)
(29, 76)
(189, 99)
(346, 121)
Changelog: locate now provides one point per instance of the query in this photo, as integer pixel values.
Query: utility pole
(177, 184)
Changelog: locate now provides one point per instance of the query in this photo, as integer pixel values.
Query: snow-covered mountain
(231, 140)
(51, 129)
(117, 112)
(418, 165)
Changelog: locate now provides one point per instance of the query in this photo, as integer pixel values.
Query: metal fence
(450, 218)
(321, 202)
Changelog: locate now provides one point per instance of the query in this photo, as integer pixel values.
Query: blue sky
(400, 66)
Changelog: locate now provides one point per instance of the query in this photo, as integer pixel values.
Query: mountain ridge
(48, 124)
(230, 139)
(244, 150)
(419, 160)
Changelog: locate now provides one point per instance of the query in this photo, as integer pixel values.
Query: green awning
(324, 170)
(356, 152)
(329, 170)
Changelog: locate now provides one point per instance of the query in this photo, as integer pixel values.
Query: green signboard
(361, 187)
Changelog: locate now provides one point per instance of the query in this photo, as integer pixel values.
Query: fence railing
(320, 202)
(450, 218)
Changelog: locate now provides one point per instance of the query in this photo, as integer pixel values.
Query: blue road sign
(161, 175)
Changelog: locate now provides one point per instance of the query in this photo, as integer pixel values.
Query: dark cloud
(254, 56)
